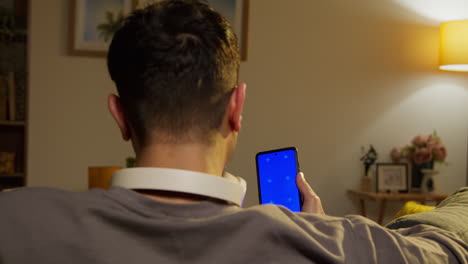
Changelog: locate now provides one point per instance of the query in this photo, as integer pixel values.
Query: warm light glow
(454, 46)
(437, 10)
(455, 67)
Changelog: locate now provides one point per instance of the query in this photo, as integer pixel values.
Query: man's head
(175, 64)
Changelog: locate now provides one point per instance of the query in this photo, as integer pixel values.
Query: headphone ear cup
(238, 180)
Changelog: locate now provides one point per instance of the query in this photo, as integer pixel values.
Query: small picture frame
(93, 23)
(392, 177)
(7, 163)
(235, 11)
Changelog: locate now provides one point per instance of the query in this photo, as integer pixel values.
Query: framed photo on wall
(235, 11)
(93, 23)
(392, 177)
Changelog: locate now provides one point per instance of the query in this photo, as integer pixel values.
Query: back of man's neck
(193, 157)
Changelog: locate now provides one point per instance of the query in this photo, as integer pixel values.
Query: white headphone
(228, 188)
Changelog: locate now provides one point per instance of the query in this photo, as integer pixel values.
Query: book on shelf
(3, 98)
(11, 96)
(20, 95)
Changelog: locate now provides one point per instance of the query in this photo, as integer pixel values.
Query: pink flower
(432, 142)
(395, 154)
(440, 152)
(420, 141)
(423, 149)
(422, 155)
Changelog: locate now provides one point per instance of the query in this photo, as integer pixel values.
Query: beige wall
(70, 128)
(325, 76)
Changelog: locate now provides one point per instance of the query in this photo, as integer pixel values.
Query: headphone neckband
(228, 188)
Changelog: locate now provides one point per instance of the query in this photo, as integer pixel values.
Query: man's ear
(115, 108)
(236, 105)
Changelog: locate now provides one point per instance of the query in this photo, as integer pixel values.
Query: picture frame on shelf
(93, 23)
(7, 163)
(235, 11)
(392, 177)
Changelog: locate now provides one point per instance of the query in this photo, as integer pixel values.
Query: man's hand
(311, 201)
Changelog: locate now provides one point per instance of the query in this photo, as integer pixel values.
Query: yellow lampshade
(454, 46)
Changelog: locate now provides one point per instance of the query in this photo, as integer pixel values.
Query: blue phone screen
(277, 179)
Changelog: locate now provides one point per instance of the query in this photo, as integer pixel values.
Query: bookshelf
(13, 93)
(12, 123)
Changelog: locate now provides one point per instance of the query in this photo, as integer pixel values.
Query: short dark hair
(175, 64)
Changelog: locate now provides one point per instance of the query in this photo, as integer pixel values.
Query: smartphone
(276, 174)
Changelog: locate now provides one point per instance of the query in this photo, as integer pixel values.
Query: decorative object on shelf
(7, 163)
(7, 25)
(235, 11)
(368, 159)
(429, 180)
(100, 177)
(130, 161)
(9, 29)
(422, 153)
(93, 23)
(366, 184)
(392, 177)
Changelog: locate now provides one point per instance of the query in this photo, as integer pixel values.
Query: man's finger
(311, 201)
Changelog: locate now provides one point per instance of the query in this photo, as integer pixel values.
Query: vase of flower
(417, 174)
(422, 153)
(368, 159)
(366, 184)
(429, 183)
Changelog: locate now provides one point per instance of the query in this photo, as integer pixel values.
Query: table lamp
(454, 46)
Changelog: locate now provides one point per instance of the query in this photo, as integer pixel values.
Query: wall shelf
(16, 175)
(12, 123)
